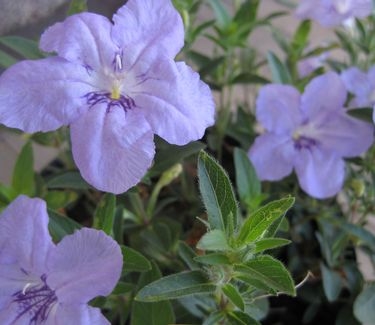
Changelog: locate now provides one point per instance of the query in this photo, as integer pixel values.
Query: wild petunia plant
(203, 240)
(44, 283)
(115, 85)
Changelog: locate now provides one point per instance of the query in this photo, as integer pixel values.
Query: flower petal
(84, 265)
(278, 108)
(152, 26)
(24, 233)
(320, 173)
(317, 101)
(12, 280)
(272, 156)
(112, 150)
(42, 95)
(357, 82)
(76, 314)
(84, 39)
(345, 135)
(175, 102)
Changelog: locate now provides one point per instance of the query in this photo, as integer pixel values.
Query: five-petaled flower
(330, 13)
(116, 85)
(44, 283)
(310, 133)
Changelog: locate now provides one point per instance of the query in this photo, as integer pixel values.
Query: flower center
(36, 300)
(303, 142)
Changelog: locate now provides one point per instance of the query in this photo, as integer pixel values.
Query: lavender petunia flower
(44, 283)
(309, 133)
(116, 85)
(330, 13)
(361, 85)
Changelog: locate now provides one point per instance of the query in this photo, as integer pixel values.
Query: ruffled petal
(345, 135)
(84, 265)
(356, 81)
(278, 108)
(76, 314)
(175, 102)
(320, 173)
(24, 234)
(317, 102)
(112, 150)
(42, 95)
(152, 26)
(84, 39)
(272, 156)
(316, 10)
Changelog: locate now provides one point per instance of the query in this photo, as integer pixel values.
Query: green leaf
(358, 232)
(247, 12)
(60, 199)
(23, 173)
(332, 283)
(362, 113)
(248, 184)
(105, 213)
(188, 255)
(154, 313)
(269, 243)
(6, 60)
(270, 272)
(248, 78)
(241, 318)
(60, 225)
(134, 261)
(65, 180)
(364, 305)
(279, 71)
(213, 240)
(214, 318)
(176, 286)
(258, 222)
(170, 155)
(301, 37)
(234, 296)
(217, 194)
(122, 288)
(29, 49)
(213, 259)
(222, 16)
(77, 6)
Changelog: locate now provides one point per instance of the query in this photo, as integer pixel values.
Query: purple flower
(116, 85)
(44, 283)
(309, 133)
(330, 13)
(361, 85)
(308, 65)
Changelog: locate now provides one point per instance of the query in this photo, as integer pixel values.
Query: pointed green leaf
(217, 194)
(258, 222)
(248, 184)
(213, 259)
(6, 60)
(134, 261)
(241, 318)
(187, 254)
(301, 37)
(213, 240)
(364, 305)
(105, 213)
(270, 272)
(23, 173)
(279, 71)
(332, 283)
(60, 225)
(222, 16)
(122, 288)
(269, 243)
(234, 296)
(153, 313)
(176, 286)
(29, 49)
(65, 180)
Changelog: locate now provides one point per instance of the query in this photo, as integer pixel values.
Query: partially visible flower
(116, 85)
(44, 283)
(307, 66)
(308, 133)
(331, 13)
(361, 85)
